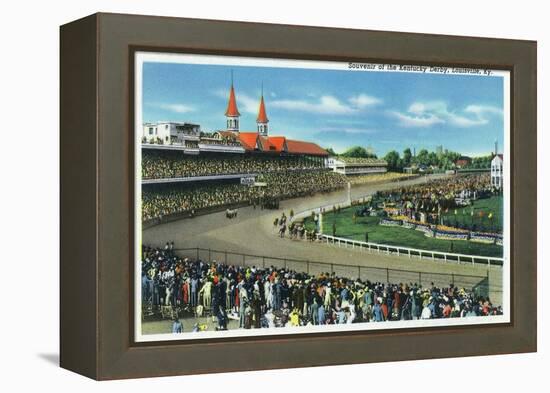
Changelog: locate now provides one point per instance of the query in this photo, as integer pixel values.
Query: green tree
(394, 161)
(407, 157)
(422, 157)
(358, 151)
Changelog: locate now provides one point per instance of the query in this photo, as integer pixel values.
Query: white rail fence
(409, 252)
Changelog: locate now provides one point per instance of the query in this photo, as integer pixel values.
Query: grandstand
(357, 165)
(186, 170)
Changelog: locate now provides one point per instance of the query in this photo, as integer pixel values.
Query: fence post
(331, 268)
(209, 256)
(307, 266)
(244, 262)
(419, 278)
(225, 261)
(358, 272)
(198, 253)
(387, 275)
(263, 262)
(453, 278)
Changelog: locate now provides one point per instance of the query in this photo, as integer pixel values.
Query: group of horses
(231, 213)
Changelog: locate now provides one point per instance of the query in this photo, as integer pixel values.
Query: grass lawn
(465, 220)
(397, 236)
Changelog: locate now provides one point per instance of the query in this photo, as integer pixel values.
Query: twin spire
(232, 113)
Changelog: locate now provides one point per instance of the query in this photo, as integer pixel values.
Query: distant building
(357, 166)
(463, 162)
(439, 151)
(168, 133)
(496, 171)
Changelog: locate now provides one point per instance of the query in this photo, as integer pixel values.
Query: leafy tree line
(396, 162)
(355, 152)
(481, 162)
(445, 160)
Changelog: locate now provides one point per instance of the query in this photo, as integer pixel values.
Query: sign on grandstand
(248, 181)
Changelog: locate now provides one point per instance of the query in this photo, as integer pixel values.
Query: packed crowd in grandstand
(170, 164)
(380, 178)
(164, 200)
(275, 297)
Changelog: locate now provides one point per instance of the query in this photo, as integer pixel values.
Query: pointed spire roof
(262, 116)
(232, 104)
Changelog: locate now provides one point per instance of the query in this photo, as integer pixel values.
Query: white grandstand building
(357, 166)
(497, 171)
(169, 133)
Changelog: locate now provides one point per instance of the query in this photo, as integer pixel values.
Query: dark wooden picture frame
(97, 177)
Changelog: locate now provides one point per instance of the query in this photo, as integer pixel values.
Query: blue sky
(335, 108)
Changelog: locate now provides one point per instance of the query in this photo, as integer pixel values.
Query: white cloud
(245, 102)
(412, 120)
(347, 130)
(176, 108)
(363, 100)
(325, 105)
(427, 114)
(481, 110)
(248, 104)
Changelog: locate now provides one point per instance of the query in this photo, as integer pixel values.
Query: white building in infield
(167, 133)
(357, 166)
(496, 171)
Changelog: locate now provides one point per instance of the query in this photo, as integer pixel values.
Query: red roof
(252, 141)
(279, 142)
(249, 140)
(232, 104)
(300, 147)
(267, 145)
(262, 116)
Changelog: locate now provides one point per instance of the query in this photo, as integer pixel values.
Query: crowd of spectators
(438, 195)
(275, 297)
(170, 164)
(163, 200)
(223, 140)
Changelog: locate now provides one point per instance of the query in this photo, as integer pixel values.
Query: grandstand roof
(232, 104)
(279, 142)
(249, 140)
(301, 147)
(253, 141)
(266, 145)
(262, 116)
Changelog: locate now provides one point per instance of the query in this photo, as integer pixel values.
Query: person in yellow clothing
(294, 318)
